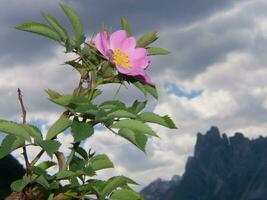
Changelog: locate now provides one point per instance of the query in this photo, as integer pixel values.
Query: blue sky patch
(173, 89)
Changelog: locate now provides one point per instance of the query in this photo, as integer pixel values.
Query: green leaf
(125, 194)
(59, 126)
(40, 29)
(14, 128)
(9, 144)
(137, 138)
(151, 89)
(81, 130)
(121, 114)
(112, 105)
(125, 25)
(46, 165)
(146, 88)
(154, 118)
(157, 51)
(81, 152)
(64, 174)
(53, 94)
(138, 106)
(101, 161)
(42, 181)
(19, 185)
(147, 39)
(33, 131)
(134, 125)
(50, 146)
(75, 22)
(56, 26)
(113, 184)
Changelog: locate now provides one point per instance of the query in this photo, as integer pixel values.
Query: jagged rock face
(159, 188)
(233, 168)
(10, 170)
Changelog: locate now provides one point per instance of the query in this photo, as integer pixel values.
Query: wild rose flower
(121, 50)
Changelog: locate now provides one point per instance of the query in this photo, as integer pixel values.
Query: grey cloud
(144, 15)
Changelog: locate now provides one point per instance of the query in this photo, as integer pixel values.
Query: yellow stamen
(120, 58)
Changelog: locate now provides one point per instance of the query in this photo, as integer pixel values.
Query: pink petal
(128, 45)
(137, 54)
(117, 38)
(102, 42)
(142, 63)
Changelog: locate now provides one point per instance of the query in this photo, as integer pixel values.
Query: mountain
(222, 167)
(10, 170)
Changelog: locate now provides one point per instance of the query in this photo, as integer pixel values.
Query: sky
(215, 76)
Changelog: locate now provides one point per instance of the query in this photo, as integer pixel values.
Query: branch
(24, 113)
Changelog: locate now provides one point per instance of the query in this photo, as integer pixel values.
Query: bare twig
(24, 113)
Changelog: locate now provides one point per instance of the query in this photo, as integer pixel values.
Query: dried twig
(24, 113)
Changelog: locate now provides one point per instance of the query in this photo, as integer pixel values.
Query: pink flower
(121, 50)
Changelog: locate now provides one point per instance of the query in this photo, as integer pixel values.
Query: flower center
(120, 58)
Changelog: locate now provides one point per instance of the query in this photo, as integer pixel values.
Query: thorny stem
(24, 113)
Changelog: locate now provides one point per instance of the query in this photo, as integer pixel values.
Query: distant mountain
(222, 168)
(10, 170)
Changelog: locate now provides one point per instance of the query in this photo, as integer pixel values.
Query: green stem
(69, 159)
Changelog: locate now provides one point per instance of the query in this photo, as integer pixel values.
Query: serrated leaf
(121, 114)
(138, 106)
(56, 26)
(9, 144)
(81, 130)
(134, 125)
(137, 138)
(33, 131)
(50, 146)
(19, 185)
(75, 22)
(52, 94)
(14, 128)
(154, 118)
(59, 126)
(146, 88)
(147, 39)
(112, 105)
(125, 25)
(101, 161)
(113, 184)
(157, 51)
(125, 194)
(151, 89)
(46, 165)
(64, 174)
(40, 29)
(81, 152)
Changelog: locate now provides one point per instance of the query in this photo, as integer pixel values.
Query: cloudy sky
(216, 75)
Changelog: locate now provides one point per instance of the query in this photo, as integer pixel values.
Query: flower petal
(137, 54)
(117, 38)
(102, 42)
(128, 45)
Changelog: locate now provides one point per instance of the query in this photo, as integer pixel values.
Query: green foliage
(82, 113)
(157, 51)
(9, 144)
(125, 25)
(147, 39)
(52, 21)
(81, 130)
(40, 29)
(58, 127)
(136, 137)
(15, 129)
(134, 125)
(76, 24)
(154, 118)
(125, 194)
